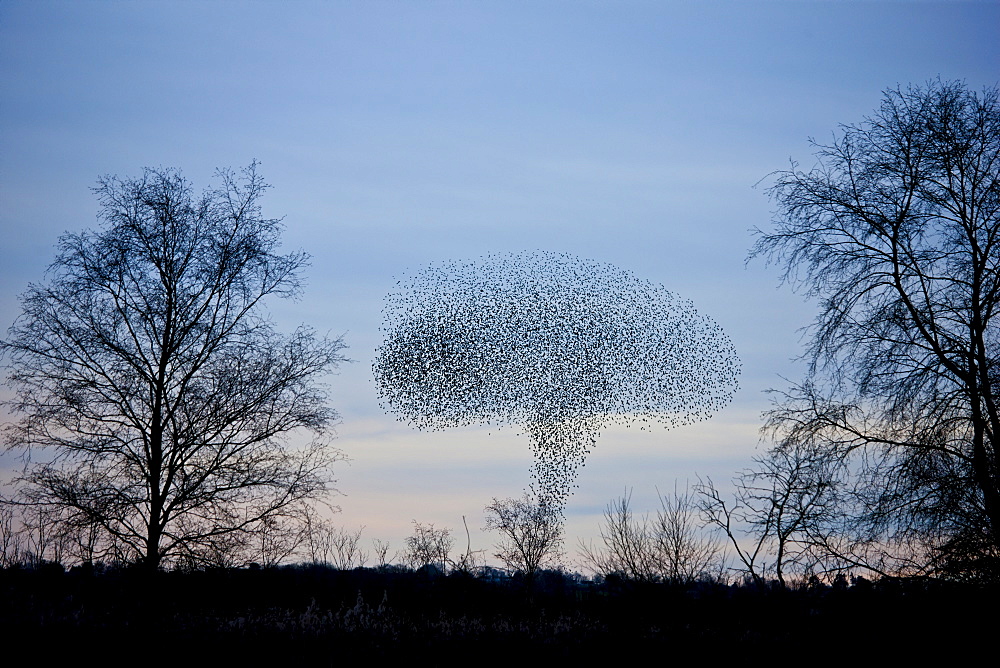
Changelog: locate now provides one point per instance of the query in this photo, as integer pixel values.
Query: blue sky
(399, 134)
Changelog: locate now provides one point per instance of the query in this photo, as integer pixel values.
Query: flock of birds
(556, 345)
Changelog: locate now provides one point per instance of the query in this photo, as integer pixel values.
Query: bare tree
(11, 537)
(276, 538)
(730, 517)
(346, 552)
(531, 533)
(428, 546)
(684, 552)
(381, 552)
(671, 547)
(45, 535)
(779, 515)
(896, 233)
(327, 543)
(469, 562)
(626, 546)
(147, 372)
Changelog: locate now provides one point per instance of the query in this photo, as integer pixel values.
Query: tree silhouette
(531, 533)
(896, 232)
(669, 547)
(159, 391)
(557, 345)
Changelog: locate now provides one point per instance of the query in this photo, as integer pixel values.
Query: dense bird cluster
(557, 345)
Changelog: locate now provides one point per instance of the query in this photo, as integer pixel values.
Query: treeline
(319, 613)
(762, 538)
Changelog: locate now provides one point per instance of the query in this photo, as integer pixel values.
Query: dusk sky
(401, 134)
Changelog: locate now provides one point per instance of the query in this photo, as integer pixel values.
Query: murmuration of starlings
(559, 346)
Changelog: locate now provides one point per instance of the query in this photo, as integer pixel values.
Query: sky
(396, 135)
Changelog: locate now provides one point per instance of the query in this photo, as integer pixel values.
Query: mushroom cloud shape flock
(560, 346)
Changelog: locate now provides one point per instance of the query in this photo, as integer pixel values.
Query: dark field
(316, 616)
